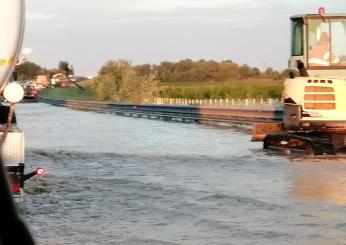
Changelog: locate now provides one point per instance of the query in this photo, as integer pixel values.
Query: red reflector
(40, 171)
(321, 11)
(15, 187)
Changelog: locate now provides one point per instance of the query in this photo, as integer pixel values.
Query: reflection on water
(321, 178)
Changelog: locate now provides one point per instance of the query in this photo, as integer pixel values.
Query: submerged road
(123, 180)
(193, 113)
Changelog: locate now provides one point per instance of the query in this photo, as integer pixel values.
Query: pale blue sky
(87, 33)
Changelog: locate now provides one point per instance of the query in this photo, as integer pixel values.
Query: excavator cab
(314, 97)
(319, 42)
(314, 105)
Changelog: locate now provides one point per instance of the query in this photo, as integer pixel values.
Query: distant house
(59, 80)
(42, 80)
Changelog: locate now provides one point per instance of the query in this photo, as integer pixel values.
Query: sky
(87, 33)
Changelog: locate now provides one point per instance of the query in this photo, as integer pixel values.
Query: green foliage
(67, 93)
(65, 67)
(231, 91)
(200, 71)
(28, 71)
(208, 71)
(104, 87)
(119, 81)
(137, 88)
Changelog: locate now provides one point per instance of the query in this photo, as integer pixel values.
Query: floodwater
(122, 180)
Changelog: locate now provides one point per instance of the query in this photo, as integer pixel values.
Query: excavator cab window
(297, 37)
(338, 45)
(327, 42)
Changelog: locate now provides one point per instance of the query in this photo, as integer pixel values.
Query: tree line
(181, 71)
(30, 70)
(206, 71)
(119, 80)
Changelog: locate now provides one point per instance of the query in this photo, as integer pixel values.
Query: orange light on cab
(321, 11)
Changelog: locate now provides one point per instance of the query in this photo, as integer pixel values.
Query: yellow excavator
(314, 96)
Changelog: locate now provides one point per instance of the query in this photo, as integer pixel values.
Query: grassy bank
(67, 93)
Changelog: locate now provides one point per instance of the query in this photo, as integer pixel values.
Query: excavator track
(289, 142)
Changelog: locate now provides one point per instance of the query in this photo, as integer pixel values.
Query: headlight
(13, 92)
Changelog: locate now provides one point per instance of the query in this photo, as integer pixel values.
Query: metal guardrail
(174, 112)
(245, 103)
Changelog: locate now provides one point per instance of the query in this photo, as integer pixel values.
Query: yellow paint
(7, 61)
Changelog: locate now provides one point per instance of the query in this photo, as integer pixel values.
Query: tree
(287, 73)
(245, 71)
(165, 71)
(269, 71)
(119, 81)
(115, 69)
(65, 67)
(28, 71)
(136, 88)
(145, 69)
(256, 71)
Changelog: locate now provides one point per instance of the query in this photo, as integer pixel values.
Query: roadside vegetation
(67, 93)
(120, 81)
(252, 88)
(29, 70)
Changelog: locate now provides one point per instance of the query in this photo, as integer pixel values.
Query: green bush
(119, 81)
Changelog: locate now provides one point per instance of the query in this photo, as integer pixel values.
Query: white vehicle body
(12, 20)
(317, 100)
(314, 97)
